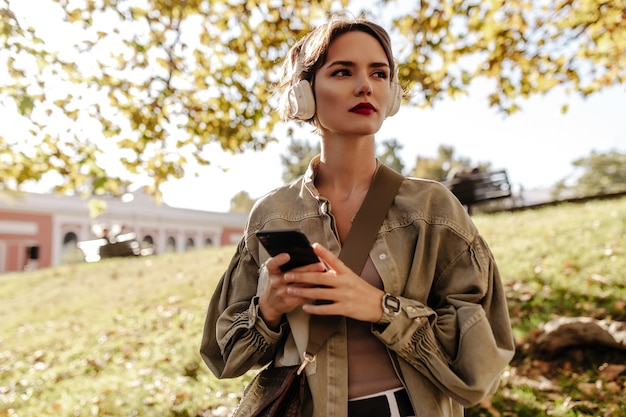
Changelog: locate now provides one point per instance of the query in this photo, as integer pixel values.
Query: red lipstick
(363, 108)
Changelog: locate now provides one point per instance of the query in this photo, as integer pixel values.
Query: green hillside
(120, 337)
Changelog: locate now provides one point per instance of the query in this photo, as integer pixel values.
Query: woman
(426, 328)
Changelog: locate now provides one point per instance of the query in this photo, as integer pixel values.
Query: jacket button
(382, 256)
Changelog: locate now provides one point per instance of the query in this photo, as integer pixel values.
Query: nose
(363, 86)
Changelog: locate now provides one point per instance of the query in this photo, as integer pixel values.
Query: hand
(351, 296)
(275, 300)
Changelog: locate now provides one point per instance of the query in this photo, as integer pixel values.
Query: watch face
(392, 304)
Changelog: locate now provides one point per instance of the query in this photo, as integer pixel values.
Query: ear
(301, 100)
(395, 98)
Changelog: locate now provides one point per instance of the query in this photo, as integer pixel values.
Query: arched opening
(70, 253)
(171, 245)
(147, 245)
(70, 238)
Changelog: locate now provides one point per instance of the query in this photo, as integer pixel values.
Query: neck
(347, 165)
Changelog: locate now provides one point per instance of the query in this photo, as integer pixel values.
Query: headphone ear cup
(301, 100)
(395, 99)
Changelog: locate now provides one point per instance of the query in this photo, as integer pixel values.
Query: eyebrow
(352, 64)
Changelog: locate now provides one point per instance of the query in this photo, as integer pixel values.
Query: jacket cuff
(397, 330)
(256, 321)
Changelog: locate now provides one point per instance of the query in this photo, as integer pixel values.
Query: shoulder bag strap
(357, 246)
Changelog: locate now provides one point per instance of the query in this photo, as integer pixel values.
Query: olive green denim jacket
(451, 340)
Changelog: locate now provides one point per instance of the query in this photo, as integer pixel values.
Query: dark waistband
(379, 406)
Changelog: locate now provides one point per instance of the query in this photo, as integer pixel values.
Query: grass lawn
(121, 337)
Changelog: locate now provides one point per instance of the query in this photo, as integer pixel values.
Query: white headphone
(302, 100)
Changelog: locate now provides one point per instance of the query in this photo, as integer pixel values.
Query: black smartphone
(290, 241)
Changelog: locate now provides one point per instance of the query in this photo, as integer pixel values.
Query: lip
(363, 108)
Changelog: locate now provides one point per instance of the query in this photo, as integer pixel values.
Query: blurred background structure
(41, 230)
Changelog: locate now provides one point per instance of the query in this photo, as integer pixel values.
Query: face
(352, 87)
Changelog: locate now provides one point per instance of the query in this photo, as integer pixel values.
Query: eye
(344, 72)
(381, 74)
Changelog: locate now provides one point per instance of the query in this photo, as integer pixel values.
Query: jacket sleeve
(464, 341)
(235, 338)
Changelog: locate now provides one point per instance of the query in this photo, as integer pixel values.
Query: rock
(567, 332)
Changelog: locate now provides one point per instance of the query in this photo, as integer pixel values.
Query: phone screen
(290, 241)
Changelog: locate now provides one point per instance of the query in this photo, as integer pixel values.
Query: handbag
(280, 391)
(275, 391)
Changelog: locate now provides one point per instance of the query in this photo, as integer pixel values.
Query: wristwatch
(391, 308)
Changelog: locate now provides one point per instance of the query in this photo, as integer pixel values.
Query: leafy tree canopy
(446, 162)
(297, 156)
(389, 154)
(157, 83)
(241, 202)
(598, 173)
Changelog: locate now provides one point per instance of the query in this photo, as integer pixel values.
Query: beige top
(369, 365)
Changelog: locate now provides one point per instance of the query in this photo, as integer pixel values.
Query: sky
(536, 145)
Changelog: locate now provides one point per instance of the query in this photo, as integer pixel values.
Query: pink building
(42, 230)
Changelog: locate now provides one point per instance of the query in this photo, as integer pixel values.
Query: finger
(322, 309)
(307, 274)
(316, 267)
(274, 263)
(329, 258)
(306, 278)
